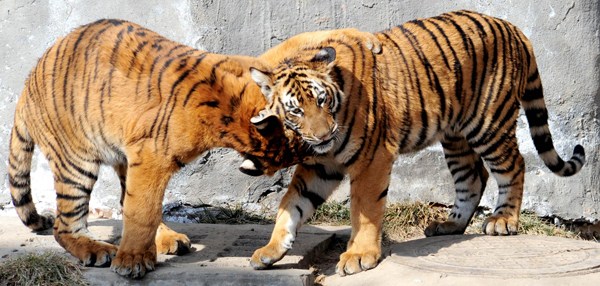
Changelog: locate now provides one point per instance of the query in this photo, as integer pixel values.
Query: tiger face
(304, 97)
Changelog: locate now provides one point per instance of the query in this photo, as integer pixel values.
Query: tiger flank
(458, 78)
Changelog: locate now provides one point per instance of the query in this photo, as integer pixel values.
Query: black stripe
(69, 197)
(537, 117)
(534, 76)
(505, 205)
(115, 22)
(320, 171)
(77, 211)
(192, 90)
(533, 94)
(464, 177)
(462, 154)
(300, 211)
(314, 198)
(13, 183)
(211, 103)
(82, 171)
(463, 168)
(20, 137)
(383, 194)
(76, 185)
(32, 218)
(226, 120)
(23, 201)
(177, 161)
(506, 137)
(543, 143)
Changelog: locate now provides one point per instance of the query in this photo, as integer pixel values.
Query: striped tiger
(114, 93)
(458, 78)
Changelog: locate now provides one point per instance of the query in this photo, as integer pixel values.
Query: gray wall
(564, 35)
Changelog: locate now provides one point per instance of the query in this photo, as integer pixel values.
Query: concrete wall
(564, 34)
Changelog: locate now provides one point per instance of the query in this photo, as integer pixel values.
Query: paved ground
(222, 253)
(221, 256)
(484, 260)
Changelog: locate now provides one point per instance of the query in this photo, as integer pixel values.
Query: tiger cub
(458, 78)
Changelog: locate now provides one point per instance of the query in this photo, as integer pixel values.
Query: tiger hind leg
(508, 168)
(470, 178)
(72, 200)
(168, 241)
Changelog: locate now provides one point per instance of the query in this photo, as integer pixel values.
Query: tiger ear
(325, 55)
(323, 60)
(263, 79)
(267, 123)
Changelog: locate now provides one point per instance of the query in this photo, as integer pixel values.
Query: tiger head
(302, 94)
(275, 147)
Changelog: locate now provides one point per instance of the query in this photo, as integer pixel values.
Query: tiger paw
(266, 256)
(501, 225)
(132, 264)
(91, 252)
(354, 262)
(443, 228)
(170, 242)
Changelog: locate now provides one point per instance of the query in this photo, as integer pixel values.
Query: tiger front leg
(167, 240)
(368, 196)
(311, 186)
(147, 178)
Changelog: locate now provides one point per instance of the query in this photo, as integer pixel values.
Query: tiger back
(458, 78)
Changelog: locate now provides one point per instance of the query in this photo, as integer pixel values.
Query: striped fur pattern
(114, 93)
(459, 78)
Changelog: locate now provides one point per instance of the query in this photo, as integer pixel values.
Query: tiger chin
(459, 78)
(112, 92)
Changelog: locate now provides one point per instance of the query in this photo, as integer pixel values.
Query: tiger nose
(326, 136)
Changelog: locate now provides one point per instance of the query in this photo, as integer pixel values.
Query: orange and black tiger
(115, 93)
(459, 78)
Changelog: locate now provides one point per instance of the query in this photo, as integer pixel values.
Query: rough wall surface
(565, 35)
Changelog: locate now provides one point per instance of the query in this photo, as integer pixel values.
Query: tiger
(114, 93)
(458, 78)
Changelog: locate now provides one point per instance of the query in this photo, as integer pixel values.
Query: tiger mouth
(323, 147)
(324, 143)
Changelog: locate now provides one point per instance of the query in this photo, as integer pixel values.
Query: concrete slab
(221, 253)
(484, 260)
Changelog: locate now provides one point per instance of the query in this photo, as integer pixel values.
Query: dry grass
(40, 269)
(233, 214)
(401, 221)
(405, 221)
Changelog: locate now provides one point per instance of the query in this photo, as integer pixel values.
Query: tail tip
(48, 218)
(579, 151)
